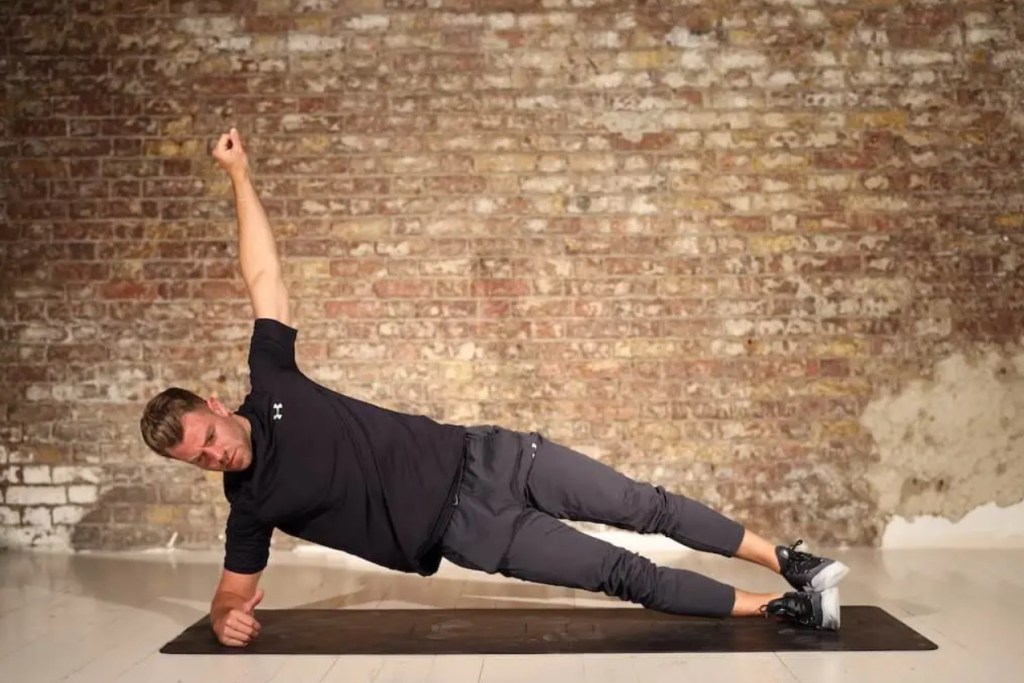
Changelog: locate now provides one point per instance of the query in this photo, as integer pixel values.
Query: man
(403, 491)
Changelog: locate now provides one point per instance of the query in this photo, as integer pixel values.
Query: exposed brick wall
(693, 242)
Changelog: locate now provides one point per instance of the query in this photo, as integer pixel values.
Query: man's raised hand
(239, 627)
(230, 154)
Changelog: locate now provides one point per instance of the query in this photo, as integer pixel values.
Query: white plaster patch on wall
(985, 526)
(951, 445)
(54, 538)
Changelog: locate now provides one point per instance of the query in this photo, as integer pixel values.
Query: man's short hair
(161, 420)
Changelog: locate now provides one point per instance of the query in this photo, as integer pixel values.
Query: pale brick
(682, 38)
(739, 59)
(605, 40)
(38, 393)
(36, 495)
(640, 59)
(922, 57)
(500, 21)
(17, 537)
(29, 537)
(68, 514)
(38, 517)
(36, 474)
(989, 34)
(504, 163)
(538, 102)
(10, 474)
(834, 182)
(592, 162)
(67, 475)
(209, 26)
(545, 184)
(81, 494)
(606, 81)
(696, 78)
(306, 42)
(551, 164)
(368, 22)
(9, 516)
(546, 20)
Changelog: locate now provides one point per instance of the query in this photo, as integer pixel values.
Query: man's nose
(218, 455)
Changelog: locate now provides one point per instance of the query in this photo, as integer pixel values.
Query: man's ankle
(750, 604)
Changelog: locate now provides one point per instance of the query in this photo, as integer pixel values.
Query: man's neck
(244, 421)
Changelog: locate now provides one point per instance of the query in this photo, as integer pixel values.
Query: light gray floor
(103, 618)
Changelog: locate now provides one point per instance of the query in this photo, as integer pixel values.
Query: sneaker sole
(830, 617)
(829, 577)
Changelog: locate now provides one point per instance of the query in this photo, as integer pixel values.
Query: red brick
(30, 188)
(39, 127)
(167, 187)
(77, 271)
(403, 288)
(172, 270)
(455, 184)
(86, 189)
(500, 287)
(219, 289)
(127, 290)
(353, 309)
(38, 210)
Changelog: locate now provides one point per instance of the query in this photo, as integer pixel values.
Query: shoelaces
(798, 560)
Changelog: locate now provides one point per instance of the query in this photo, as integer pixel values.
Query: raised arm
(257, 253)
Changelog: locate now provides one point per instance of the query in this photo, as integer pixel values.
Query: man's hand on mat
(230, 154)
(239, 627)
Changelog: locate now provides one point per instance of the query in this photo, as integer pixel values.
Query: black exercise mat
(544, 631)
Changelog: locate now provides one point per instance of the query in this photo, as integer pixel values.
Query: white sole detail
(829, 577)
(830, 617)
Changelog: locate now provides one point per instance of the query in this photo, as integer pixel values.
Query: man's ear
(216, 406)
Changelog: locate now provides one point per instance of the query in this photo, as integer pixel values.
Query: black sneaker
(818, 610)
(806, 572)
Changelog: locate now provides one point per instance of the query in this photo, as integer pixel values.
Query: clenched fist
(239, 627)
(230, 154)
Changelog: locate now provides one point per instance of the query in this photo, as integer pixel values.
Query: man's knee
(652, 507)
(629, 576)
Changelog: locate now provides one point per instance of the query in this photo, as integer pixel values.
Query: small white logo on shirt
(277, 410)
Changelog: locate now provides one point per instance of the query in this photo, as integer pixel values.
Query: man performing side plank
(403, 491)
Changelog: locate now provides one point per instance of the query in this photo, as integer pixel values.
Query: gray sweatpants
(515, 488)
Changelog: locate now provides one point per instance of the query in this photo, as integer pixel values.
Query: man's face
(214, 439)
